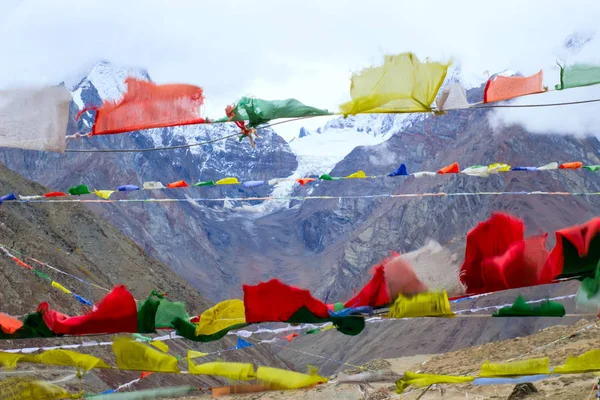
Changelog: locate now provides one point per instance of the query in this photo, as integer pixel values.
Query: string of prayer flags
(515, 368)
(422, 380)
(450, 169)
(288, 380)
(35, 119)
(430, 304)
(500, 87)
(587, 362)
(520, 308)
(146, 105)
(258, 112)
(132, 355)
(578, 75)
(230, 370)
(571, 165)
(401, 84)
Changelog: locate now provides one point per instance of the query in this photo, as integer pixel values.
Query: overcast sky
(275, 49)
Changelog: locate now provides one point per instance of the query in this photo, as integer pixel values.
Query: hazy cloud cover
(307, 50)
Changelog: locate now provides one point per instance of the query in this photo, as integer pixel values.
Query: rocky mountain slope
(80, 243)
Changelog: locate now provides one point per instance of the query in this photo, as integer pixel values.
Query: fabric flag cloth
(274, 301)
(9, 360)
(593, 168)
(571, 165)
(54, 194)
(283, 379)
(375, 293)
(9, 324)
(223, 315)
(357, 175)
(429, 304)
(228, 181)
(401, 84)
(206, 183)
(153, 185)
(578, 75)
(304, 181)
(79, 190)
(169, 392)
(498, 167)
(115, 313)
(524, 168)
(500, 88)
(422, 380)
(452, 97)
(231, 370)
(178, 184)
(577, 250)
(28, 389)
(104, 194)
(327, 177)
(532, 366)
(477, 170)
(587, 362)
(250, 184)
(422, 174)
(587, 297)
(450, 169)
(520, 308)
(126, 188)
(8, 197)
(33, 327)
(291, 336)
(35, 119)
(146, 105)
(259, 112)
(61, 288)
(552, 165)
(401, 171)
(510, 381)
(400, 278)
(191, 354)
(242, 344)
(160, 345)
(132, 355)
(497, 256)
(67, 358)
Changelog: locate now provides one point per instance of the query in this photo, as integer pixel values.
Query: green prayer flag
(207, 183)
(578, 75)
(349, 325)
(147, 315)
(41, 275)
(258, 111)
(167, 312)
(593, 168)
(79, 190)
(327, 177)
(312, 331)
(33, 327)
(520, 308)
(591, 286)
(184, 328)
(141, 337)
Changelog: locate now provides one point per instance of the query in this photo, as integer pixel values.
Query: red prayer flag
(304, 181)
(54, 194)
(274, 301)
(507, 87)
(178, 184)
(146, 374)
(291, 336)
(115, 313)
(146, 105)
(450, 169)
(375, 293)
(571, 165)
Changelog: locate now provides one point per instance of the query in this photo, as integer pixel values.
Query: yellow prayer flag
(357, 175)
(221, 316)
(105, 194)
(282, 379)
(401, 84)
(532, 366)
(326, 328)
(431, 304)
(160, 345)
(69, 358)
(26, 389)
(61, 287)
(587, 362)
(231, 370)
(132, 355)
(421, 380)
(499, 167)
(227, 181)
(191, 354)
(10, 360)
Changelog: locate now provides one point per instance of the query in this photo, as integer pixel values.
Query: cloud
(307, 50)
(382, 156)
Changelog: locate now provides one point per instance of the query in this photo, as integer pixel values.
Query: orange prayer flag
(54, 194)
(450, 169)
(146, 374)
(304, 181)
(508, 87)
(571, 165)
(291, 336)
(147, 105)
(178, 184)
(9, 324)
